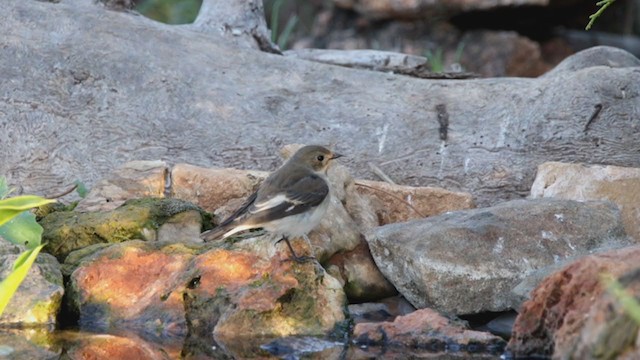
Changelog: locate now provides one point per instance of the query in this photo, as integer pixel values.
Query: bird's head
(315, 156)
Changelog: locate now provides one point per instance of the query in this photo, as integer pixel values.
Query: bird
(289, 203)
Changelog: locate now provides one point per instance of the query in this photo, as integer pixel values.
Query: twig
(376, 170)
(593, 117)
(592, 18)
(393, 196)
(67, 192)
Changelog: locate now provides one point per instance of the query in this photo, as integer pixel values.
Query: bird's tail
(223, 231)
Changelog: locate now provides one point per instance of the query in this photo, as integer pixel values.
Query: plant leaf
(9, 285)
(11, 207)
(22, 230)
(81, 189)
(4, 187)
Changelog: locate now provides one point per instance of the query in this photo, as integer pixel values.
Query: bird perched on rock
(289, 203)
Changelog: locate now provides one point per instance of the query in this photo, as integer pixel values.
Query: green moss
(67, 231)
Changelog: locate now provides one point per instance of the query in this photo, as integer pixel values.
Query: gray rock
(37, 300)
(469, 261)
(86, 89)
(581, 182)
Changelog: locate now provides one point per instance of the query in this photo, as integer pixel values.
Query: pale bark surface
(85, 89)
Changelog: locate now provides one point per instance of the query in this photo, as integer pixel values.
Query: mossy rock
(66, 231)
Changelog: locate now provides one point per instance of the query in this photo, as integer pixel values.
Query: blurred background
(488, 37)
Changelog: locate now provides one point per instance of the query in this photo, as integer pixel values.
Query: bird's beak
(336, 155)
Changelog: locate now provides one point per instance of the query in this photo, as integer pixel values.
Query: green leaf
(11, 207)
(22, 230)
(81, 189)
(4, 187)
(9, 285)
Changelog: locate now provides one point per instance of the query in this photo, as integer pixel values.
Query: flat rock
(214, 188)
(425, 329)
(134, 179)
(398, 203)
(569, 311)
(581, 182)
(469, 261)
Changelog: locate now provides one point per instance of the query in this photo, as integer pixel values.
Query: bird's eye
(320, 158)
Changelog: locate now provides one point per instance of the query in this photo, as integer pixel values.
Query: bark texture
(86, 89)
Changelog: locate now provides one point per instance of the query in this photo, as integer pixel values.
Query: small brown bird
(289, 203)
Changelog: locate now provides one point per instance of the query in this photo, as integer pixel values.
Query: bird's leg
(294, 256)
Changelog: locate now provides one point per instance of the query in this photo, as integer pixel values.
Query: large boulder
(469, 261)
(75, 66)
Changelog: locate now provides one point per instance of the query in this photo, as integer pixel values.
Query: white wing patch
(273, 202)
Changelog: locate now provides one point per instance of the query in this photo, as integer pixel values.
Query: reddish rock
(214, 188)
(131, 286)
(229, 290)
(359, 275)
(134, 179)
(125, 346)
(397, 203)
(384, 310)
(551, 322)
(426, 329)
(609, 332)
(240, 293)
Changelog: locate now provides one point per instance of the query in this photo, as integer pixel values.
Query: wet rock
(124, 345)
(554, 322)
(294, 347)
(620, 185)
(384, 310)
(130, 286)
(359, 275)
(426, 329)
(467, 262)
(135, 219)
(31, 343)
(228, 290)
(39, 297)
(397, 203)
(134, 179)
(251, 291)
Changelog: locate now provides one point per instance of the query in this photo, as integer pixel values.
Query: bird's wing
(306, 193)
(241, 211)
(227, 223)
